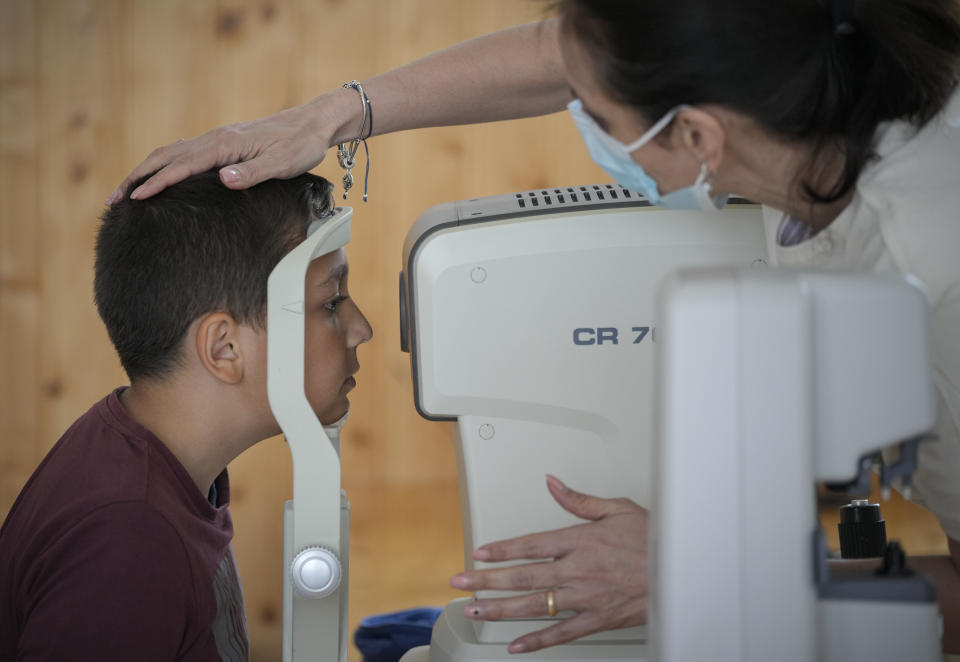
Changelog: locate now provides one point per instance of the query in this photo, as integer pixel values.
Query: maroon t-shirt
(112, 553)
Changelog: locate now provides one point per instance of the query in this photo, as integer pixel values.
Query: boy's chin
(330, 416)
(333, 414)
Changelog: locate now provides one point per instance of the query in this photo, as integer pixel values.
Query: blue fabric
(386, 637)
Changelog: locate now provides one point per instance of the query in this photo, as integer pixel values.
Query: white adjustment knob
(315, 572)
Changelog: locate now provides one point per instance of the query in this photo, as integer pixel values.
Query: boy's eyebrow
(337, 274)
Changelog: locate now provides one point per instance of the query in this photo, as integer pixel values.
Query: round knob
(315, 572)
(863, 533)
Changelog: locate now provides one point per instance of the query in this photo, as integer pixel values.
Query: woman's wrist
(336, 114)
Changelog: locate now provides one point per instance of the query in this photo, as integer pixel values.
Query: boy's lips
(349, 382)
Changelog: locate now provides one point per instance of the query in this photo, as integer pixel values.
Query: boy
(118, 547)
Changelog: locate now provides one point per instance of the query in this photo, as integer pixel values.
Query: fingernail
(556, 483)
(460, 581)
(136, 193)
(481, 555)
(230, 175)
(473, 612)
(518, 647)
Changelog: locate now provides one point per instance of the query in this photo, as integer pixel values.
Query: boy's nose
(360, 329)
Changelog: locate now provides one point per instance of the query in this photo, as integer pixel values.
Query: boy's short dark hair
(195, 248)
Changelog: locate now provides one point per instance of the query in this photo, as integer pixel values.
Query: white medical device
(532, 324)
(316, 522)
(769, 382)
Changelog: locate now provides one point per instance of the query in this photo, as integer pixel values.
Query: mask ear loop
(703, 188)
(657, 127)
(705, 176)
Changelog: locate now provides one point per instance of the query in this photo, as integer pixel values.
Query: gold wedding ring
(551, 603)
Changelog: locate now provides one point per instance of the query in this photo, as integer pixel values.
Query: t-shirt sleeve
(938, 477)
(117, 586)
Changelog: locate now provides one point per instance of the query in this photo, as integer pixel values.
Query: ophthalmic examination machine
(533, 324)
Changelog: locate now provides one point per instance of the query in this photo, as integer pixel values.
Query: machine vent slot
(571, 195)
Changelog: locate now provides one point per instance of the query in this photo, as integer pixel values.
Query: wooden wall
(89, 87)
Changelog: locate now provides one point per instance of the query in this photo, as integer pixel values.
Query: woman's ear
(701, 134)
(219, 348)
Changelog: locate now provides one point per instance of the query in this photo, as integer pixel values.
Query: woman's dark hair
(825, 72)
(195, 248)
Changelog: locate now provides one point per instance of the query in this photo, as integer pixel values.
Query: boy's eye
(332, 305)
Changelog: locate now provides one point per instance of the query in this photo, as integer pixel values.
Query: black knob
(863, 533)
(894, 562)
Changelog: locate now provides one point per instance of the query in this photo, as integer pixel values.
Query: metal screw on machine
(315, 572)
(863, 533)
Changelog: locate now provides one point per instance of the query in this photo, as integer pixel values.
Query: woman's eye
(332, 305)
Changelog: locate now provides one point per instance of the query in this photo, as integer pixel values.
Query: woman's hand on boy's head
(278, 146)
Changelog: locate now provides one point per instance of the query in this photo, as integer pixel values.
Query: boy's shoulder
(105, 465)
(111, 525)
(104, 457)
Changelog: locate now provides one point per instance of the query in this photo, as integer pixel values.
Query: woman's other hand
(597, 570)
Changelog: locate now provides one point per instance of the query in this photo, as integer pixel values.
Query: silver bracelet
(347, 151)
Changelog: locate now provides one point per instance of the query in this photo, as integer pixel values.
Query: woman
(842, 118)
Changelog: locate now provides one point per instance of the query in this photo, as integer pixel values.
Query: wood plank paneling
(19, 250)
(77, 105)
(89, 87)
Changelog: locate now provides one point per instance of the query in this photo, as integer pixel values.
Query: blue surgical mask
(614, 157)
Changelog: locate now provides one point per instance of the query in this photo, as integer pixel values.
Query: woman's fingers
(531, 605)
(545, 545)
(554, 544)
(155, 161)
(570, 629)
(595, 610)
(170, 174)
(525, 577)
(583, 505)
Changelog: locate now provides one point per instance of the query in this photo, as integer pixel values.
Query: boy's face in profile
(335, 327)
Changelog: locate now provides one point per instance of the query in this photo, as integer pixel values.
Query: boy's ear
(219, 347)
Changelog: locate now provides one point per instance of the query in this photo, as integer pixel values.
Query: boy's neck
(202, 431)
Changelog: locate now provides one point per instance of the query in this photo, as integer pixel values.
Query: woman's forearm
(516, 72)
(512, 73)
